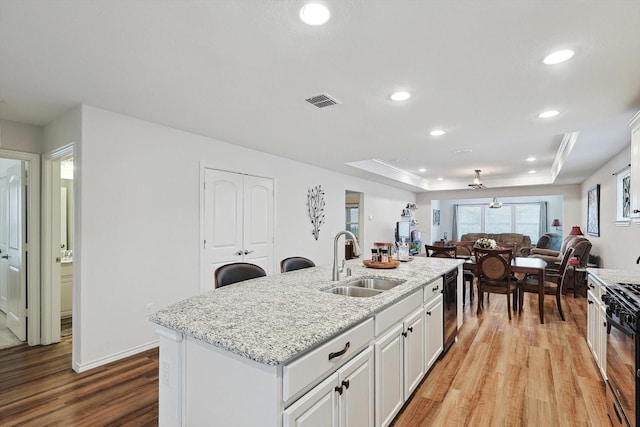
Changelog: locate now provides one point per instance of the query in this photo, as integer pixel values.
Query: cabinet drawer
(432, 289)
(397, 312)
(327, 358)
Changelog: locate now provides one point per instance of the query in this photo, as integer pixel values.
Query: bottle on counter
(384, 257)
(375, 255)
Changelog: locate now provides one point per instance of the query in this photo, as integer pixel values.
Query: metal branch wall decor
(315, 201)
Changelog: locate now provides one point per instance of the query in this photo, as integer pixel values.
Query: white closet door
(258, 222)
(4, 242)
(238, 222)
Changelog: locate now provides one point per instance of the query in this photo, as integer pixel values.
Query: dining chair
(440, 251)
(493, 273)
(295, 263)
(236, 272)
(553, 284)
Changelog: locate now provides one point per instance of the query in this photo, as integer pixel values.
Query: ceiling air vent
(322, 100)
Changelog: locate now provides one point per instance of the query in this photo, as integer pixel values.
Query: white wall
(443, 200)
(617, 247)
(20, 137)
(138, 219)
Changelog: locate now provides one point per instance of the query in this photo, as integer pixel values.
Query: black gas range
(622, 302)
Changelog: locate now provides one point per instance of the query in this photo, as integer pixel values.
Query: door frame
(50, 287)
(31, 250)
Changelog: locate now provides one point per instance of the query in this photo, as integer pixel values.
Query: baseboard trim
(82, 367)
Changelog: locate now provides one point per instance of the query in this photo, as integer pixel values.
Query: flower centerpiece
(485, 243)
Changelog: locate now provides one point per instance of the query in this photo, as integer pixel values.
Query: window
(521, 218)
(623, 197)
(352, 213)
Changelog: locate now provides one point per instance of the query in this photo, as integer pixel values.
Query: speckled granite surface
(609, 277)
(272, 319)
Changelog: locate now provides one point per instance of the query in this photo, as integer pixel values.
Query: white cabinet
(635, 167)
(399, 356)
(66, 289)
(345, 399)
(596, 325)
(434, 330)
(413, 351)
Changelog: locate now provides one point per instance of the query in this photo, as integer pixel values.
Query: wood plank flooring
(499, 373)
(39, 388)
(514, 373)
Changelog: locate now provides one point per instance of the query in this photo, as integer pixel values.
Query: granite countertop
(609, 277)
(273, 319)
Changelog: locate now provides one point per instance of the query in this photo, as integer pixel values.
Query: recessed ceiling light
(437, 132)
(422, 170)
(548, 114)
(558, 57)
(440, 178)
(400, 96)
(314, 14)
(532, 171)
(531, 159)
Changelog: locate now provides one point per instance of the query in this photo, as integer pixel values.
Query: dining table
(523, 265)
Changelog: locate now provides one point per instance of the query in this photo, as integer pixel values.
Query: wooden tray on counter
(392, 264)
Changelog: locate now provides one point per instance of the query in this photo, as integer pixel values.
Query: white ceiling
(239, 71)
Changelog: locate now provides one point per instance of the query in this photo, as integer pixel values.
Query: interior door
(258, 221)
(238, 222)
(4, 242)
(223, 217)
(17, 290)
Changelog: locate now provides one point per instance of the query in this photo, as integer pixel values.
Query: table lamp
(556, 224)
(575, 231)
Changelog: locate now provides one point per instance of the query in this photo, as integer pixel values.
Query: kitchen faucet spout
(335, 274)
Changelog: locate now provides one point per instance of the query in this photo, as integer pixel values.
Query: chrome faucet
(335, 275)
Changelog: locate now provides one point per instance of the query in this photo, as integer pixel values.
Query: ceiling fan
(477, 184)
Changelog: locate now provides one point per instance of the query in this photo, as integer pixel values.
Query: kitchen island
(245, 354)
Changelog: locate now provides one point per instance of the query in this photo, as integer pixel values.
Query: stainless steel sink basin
(374, 283)
(352, 291)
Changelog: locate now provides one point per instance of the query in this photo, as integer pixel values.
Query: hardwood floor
(499, 373)
(39, 388)
(514, 373)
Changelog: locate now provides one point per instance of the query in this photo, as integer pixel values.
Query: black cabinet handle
(341, 352)
(590, 302)
(404, 334)
(436, 288)
(410, 328)
(345, 383)
(339, 390)
(429, 313)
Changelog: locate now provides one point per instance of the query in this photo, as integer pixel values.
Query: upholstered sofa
(522, 242)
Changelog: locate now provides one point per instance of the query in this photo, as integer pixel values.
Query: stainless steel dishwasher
(450, 308)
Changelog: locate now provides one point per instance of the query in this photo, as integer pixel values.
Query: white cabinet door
(414, 347)
(592, 329)
(237, 222)
(434, 332)
(317, 408)
(389, 363)
(356, 400)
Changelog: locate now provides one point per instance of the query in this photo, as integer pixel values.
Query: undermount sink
(353, 291)
(375, 283)
(365, 287)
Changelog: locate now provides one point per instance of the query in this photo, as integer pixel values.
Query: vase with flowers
(485, 243)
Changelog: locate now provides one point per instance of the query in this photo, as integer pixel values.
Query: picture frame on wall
(436, 217)
(593, 211)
